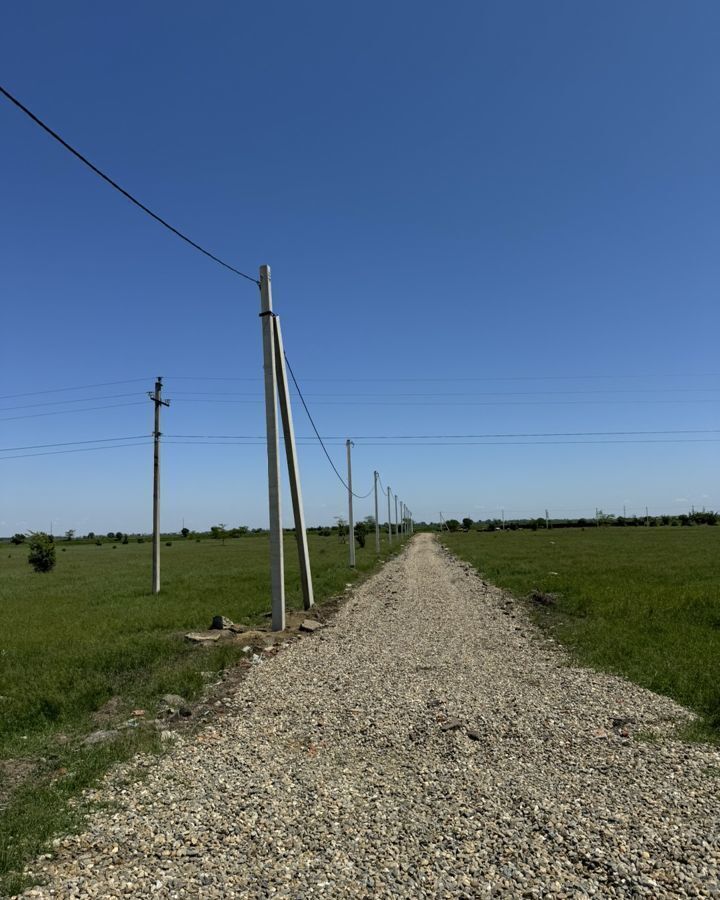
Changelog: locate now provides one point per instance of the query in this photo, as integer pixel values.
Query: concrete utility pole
(390, 534)
(158, 401)
(503, 520)
(397, 530)
(647, 518)
(277, 560)
(351, 522)
(377, 519)
(293, 470)
(547, 520)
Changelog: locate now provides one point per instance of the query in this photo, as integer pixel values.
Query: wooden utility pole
(377, 519)
(292, 463)
(277, 561)
(351, 521)
(158, 402)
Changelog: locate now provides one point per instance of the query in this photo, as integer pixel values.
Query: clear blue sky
(505, 197)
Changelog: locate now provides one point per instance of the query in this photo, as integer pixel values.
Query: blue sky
(491, 202)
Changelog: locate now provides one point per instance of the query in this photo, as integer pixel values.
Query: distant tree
(111, 534)
(42, 551)
(467, 523)
(91, 535)
(342, 528)
(141, 539)
(184, 532)
(452, 524)
(18, 539)
(69, 534)
(98, 542)
(125, 539)
(369, 522)
(118, 535)
(219, 532)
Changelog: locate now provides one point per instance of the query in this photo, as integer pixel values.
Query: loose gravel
(429, 742)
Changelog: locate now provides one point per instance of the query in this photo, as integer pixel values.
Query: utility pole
(547, 521)
(647, 518)
(397, 530)
(503, 520)
(597, 518)
(351, 523)
(377, 519)
(277, 559)
(390, 534)
(158, 401)
(293, 469)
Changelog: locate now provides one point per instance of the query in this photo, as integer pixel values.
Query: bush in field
(42, 551)
(361, 531)
(141, 540)
(452, 524)
(18, 539)
(125, 539)
(98, 543)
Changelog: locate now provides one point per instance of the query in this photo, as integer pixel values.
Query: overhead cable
(122, 190)
(317, 434)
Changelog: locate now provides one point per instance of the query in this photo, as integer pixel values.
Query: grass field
(641, 602)
(90, 630)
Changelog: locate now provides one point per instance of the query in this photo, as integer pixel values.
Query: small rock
(473, 735)
(450, 725)
(310, 625)
(174, 701)
(203, 637)
(621, 721)
(100, 737)
(220, 623)
(185, 711)
(138, 713)
(168, 736)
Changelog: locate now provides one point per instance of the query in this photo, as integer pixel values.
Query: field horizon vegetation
(643, 603)
(90, 631)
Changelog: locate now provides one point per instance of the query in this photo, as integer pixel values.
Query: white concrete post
(377, 519)
(351, 521)
(277, 561)
(390, 534)
(293, 470)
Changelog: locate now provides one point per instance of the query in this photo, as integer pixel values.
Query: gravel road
(428, 743)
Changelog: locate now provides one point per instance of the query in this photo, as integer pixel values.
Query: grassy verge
(90, 631)
(643, 603)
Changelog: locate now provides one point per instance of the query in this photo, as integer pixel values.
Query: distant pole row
(403, 524)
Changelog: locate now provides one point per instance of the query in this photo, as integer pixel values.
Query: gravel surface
(428, 743)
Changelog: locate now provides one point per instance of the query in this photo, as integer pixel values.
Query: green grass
(90, 630)
(640, 602)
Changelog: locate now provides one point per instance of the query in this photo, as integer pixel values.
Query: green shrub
(42, 551)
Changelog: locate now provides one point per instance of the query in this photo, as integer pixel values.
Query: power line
(260, 443)
(317, 434)
(60, 412)
(78, 450)
(459, 378)
(73, 400)
(428, 394)
(413, 437)
(122, 190)
(80, 387)
(132, 437)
